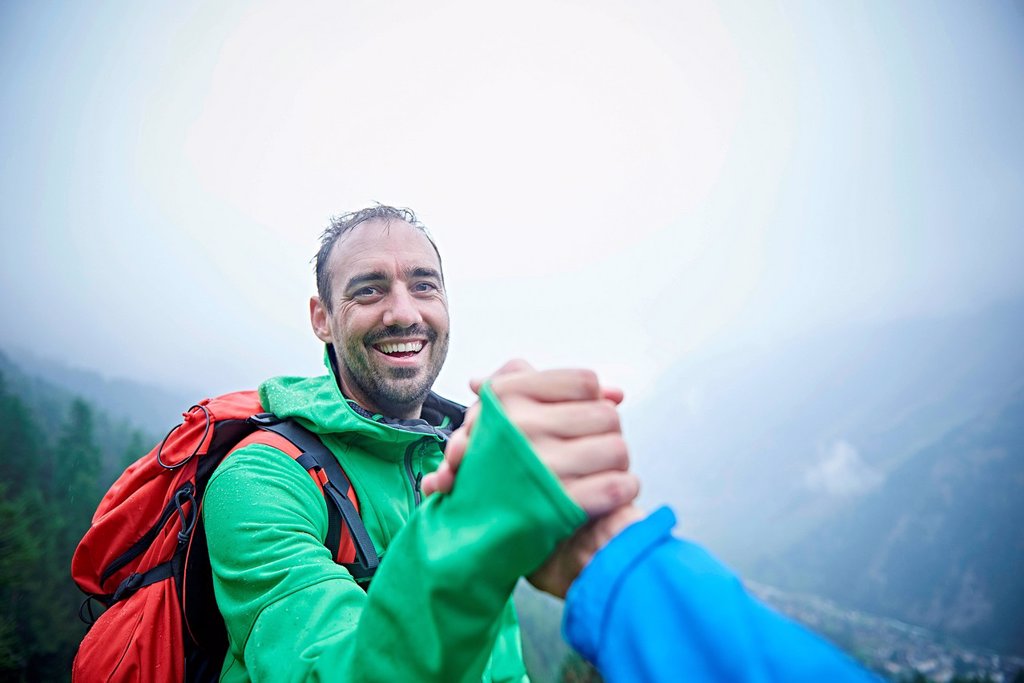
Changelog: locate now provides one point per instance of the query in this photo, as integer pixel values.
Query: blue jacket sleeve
(652, 607)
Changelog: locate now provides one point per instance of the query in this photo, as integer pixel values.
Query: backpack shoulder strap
(324, 468)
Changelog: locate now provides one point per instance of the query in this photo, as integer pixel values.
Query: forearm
(651, 607)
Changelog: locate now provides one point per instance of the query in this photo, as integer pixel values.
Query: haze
(616, 185)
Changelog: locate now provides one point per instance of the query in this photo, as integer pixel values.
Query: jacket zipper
(414, 477)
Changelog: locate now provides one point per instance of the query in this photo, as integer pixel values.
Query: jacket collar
(439, 415)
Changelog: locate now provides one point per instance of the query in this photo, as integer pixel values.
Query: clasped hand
(572, 423)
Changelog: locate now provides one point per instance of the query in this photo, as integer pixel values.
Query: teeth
(404, 347)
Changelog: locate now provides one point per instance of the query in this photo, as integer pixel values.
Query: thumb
(512, 366)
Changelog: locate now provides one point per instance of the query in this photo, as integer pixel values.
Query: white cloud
(842, 472)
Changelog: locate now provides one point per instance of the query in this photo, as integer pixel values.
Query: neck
(352, 392)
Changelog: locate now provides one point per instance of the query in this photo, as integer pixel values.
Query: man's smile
(400, 349)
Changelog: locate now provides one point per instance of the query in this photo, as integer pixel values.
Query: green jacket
(439, 607)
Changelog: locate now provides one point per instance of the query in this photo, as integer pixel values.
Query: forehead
(381, 246)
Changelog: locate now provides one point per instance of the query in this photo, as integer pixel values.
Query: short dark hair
(346, 222)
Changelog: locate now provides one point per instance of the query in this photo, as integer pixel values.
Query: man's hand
(572, 424)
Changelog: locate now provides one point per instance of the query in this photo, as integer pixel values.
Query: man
(547, 453)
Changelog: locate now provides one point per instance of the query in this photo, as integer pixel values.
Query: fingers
(472, 413)
(574, 458)
(439, 481)
(443, 478)
(456, 448)
(564, 420)
(601, 493)
(568, 458)
(613, 394)
(548, 386)
(517, 379)
(572, 423)
(603, 529)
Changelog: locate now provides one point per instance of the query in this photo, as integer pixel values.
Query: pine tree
(22, 455)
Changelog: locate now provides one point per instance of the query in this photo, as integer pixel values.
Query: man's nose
(402, 309)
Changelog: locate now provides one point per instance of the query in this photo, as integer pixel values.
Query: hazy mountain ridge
(763, 451)
(118, 433)
(938, 544)
(151, 408)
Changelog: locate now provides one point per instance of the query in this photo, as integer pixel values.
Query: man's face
(389, 316)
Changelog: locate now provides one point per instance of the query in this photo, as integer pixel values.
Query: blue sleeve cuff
(586, 604)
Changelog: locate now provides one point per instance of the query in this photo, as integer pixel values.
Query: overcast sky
(611, 184)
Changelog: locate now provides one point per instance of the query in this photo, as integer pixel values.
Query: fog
(791, 232)
(615, 185)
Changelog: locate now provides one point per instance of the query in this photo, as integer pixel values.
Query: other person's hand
(572, 424)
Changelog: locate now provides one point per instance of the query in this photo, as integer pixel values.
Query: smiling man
(547, 454)
(382, 308)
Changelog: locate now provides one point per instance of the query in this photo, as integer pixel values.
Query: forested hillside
(58, 454)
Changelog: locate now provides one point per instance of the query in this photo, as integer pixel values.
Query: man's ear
(319, 319)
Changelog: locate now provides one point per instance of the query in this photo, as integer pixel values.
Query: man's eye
(424, 287)
(365, 291)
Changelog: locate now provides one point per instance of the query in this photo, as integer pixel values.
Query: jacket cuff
(588, 601)
(509, 450)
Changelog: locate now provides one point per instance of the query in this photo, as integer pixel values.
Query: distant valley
(881, 467)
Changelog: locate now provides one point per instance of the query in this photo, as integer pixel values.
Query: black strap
(133, 582)
(176, 504)
(315, 455)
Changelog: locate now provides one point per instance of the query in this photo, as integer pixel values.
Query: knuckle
(526, 420)
(614, 490)
(516, 365)
(606, 416)
(633, 489)
(588, 382)
(621, 489)
(619, 452)
(499, 385)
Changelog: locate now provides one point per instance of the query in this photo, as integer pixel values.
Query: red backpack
(145, 556)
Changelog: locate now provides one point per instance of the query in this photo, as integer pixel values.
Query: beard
(395, 390)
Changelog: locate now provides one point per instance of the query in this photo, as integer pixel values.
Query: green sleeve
(434, 607)
(503, 518)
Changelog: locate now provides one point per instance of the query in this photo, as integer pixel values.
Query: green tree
(20, 554)
(138, 446)
(24, 460)
(50, 483)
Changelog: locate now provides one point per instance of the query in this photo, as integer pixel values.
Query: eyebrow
(422, 272)
(380, 276)
(364, 278)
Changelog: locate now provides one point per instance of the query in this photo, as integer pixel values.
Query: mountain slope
(758, 447)
(150, 408)
(878, 466)
(118, 434)
(940, 543)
